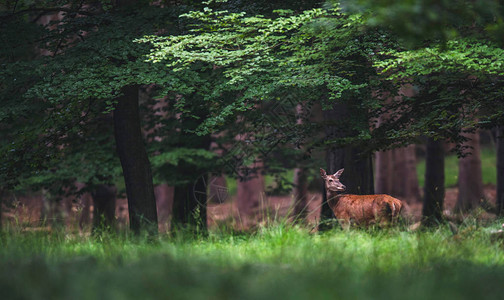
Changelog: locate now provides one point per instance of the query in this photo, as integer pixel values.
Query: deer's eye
(330, 180)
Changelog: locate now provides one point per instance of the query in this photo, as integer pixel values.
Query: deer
(361, 210)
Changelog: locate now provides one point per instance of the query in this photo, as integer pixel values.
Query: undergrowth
(277, 262)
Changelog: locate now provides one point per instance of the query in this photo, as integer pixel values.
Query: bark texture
(300, 181)
(135, 163)
(300, 194)
(396, 173)
(250, 191)
(358, 175)
(1, 203)
(190, 203)
(104, 201)
(470, 182)
(434, 190)
(164, 204)
(500, 170)
(190, 196)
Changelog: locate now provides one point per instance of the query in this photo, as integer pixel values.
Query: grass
(488, 168)
(280, 262)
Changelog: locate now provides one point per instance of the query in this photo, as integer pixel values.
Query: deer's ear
(323, 173)
(338, 174)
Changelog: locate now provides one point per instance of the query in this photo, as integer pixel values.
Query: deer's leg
(345, 222)
(383, 215)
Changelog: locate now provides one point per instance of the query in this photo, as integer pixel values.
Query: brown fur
(359, 209)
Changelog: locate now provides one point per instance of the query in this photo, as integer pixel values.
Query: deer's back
(366, 209)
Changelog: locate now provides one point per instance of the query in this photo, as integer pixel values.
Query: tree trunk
(217, 184)
(358, 175)
(300, 182)
(500, 170)
(249, 194)
(190, 198)
(406, 186)
(434, 190)
(104, 202)
(384, 166)
(300, 194)
(396, 173)
(1, 203)
(85, 217)
(164, 204)
(189, 205)
(135, 163)
(470, 182)
(52, 211)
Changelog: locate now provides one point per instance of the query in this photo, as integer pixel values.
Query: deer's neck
(333, 197)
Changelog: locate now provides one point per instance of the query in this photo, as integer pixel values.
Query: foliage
(458, 86)
(451, 56)
(233, 74)
(53, 117)
(91, 59)
(470, 56)
(317, 51)
(263, 57)
(421, 22)
(277, 262)
(466, 72)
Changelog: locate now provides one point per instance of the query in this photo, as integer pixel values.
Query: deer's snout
(336, 187)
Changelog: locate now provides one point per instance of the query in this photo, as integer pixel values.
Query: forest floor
(26, 211)
(277, 208)
(275, 261)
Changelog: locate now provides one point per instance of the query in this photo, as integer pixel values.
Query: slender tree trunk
(135, 163)
(434, 190)
(358, 175)
(300, 194)
(190, 195)
(217, 185)
(190, 198)
(406, 173)
(104, 202)
(300, 190)
(396, 173)
(470, 182)
(52, 212)
(249, 193)
(384, 164)
(500, 170)
(189, 204)
(85, 217)
(164, 204)
(1, 203)
(384, 175)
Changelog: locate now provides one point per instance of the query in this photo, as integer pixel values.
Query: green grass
(280, 262)
(488, 168)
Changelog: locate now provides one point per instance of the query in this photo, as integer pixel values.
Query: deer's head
(332, 182)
